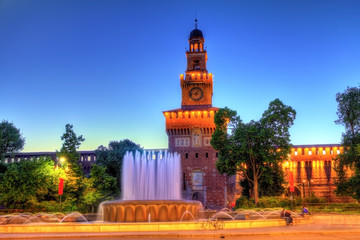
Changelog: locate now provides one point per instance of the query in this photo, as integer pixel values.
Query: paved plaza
(323, 227)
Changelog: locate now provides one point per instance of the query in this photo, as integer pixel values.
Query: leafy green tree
(26, 184)
(99, 187)
(11, 139)
(252, 147)
(69, 150)
(270, 183)
(74, 184)
(112, 157)
(348, 113)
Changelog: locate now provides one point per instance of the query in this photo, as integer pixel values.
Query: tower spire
(196, 23)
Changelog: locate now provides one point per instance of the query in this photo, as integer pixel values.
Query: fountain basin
(150, 210)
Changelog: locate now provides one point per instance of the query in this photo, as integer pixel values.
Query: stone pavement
(323, 224)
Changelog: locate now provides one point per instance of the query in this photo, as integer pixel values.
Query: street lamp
(62, 160)
(61, 164)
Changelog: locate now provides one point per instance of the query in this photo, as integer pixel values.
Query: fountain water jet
(151, 185)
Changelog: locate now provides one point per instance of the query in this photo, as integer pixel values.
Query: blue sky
(111, 67)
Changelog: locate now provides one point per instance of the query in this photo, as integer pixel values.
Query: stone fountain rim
(151, 202)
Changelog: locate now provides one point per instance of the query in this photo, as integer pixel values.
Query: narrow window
(184, 182)
(196, 155)
(186, 155)
(206, 155)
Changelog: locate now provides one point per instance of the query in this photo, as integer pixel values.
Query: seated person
(285, 214)
(305, 211)
(288, 216)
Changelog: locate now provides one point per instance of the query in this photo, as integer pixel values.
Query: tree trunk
(256, 191)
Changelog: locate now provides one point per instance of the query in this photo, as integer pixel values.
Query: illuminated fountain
(151, 191)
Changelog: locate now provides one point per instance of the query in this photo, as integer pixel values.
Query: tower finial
(196, 23)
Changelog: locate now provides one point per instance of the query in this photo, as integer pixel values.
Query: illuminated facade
(190, 128)
(313, 170)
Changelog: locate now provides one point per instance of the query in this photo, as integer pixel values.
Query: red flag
(291, 181)
(61, 186)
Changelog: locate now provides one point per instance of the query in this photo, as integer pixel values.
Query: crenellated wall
(313, 170)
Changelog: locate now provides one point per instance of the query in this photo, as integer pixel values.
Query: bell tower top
(196, 56)
(196, 33)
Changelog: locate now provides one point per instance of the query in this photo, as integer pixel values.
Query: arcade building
(189, 129)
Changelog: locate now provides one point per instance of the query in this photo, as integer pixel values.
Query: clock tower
(190, 128)
(196, 85)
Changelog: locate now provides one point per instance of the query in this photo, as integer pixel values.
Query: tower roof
(196, 33)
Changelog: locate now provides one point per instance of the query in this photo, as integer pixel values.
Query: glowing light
(62, 159)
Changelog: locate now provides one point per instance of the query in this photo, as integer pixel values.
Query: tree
(27, 184)
(348, 113)
(112, 157)
(253, 147)
(11, 139)
(74, 184)
(270, 183)
(99, 187)
(68, 150)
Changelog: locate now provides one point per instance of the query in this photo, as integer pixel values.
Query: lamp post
(308, 183)
(61, 164)
(303, 188)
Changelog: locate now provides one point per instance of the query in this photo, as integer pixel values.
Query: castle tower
(190, 128)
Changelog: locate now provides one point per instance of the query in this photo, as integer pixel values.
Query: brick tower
(190, 127)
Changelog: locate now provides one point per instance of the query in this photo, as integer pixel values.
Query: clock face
(196, 93)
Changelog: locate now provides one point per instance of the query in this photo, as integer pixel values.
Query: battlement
(302, 151)
(313, 155)
(196, 76)
(180, 114)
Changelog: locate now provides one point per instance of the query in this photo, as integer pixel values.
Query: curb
(199, 234)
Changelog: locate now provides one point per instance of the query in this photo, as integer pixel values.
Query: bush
(244, 202)
(314, 199)
(268, 202)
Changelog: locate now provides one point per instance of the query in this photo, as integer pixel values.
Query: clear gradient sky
(111, 67)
